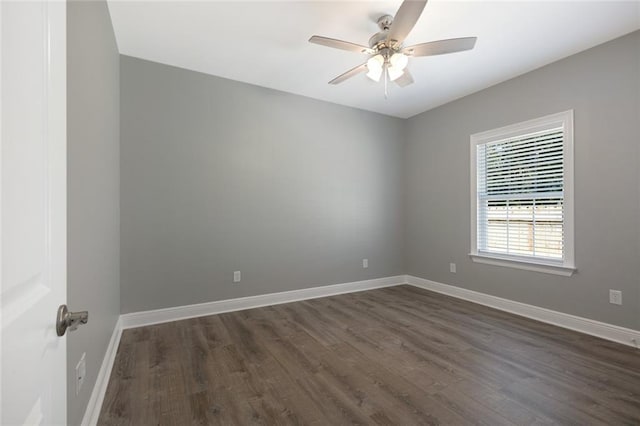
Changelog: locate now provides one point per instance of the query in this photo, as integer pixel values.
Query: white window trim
(565, 267)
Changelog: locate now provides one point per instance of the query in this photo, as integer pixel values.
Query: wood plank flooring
(394, 356)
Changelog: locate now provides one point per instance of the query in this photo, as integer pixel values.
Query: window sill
(523, 264)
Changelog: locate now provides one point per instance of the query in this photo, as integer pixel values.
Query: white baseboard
(626, 336)
(139, 319)
(102, 381)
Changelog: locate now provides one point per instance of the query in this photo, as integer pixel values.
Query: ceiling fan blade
(441, 47)
(340, 44)
(353, 71)
(405, 79)
(404, 21)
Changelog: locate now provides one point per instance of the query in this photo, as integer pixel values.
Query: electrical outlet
(452, 268)
(615, 297)
(81, 372)
(237, 276)
(365, 263)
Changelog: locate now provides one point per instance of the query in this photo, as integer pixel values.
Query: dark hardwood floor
(398, 356)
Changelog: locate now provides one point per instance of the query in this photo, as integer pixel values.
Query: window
(522, 195)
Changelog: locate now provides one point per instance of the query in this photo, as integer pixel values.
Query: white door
(33, 209)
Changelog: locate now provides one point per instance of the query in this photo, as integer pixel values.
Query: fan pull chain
(386, 79)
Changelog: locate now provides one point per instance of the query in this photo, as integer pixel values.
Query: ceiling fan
(388, 57)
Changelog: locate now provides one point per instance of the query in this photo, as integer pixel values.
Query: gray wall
(220, 176)
(602, 85)
(93, 190)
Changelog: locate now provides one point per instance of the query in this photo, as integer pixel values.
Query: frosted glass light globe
(374, 64)
(399, 60)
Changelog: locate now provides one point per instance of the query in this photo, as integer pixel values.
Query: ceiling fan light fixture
(375, 62)
(374, 65)
(374, 74)
(394, 72)
(399, 60)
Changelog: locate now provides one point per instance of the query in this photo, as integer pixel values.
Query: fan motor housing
(378, 40)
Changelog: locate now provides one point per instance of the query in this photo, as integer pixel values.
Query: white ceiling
(265, 43)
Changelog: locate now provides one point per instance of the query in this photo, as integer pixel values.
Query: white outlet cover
(452, 268)
(615, 297)
(237, 276)
(365, 263)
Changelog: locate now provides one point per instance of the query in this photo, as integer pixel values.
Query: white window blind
(520, 192)
(520, 195)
